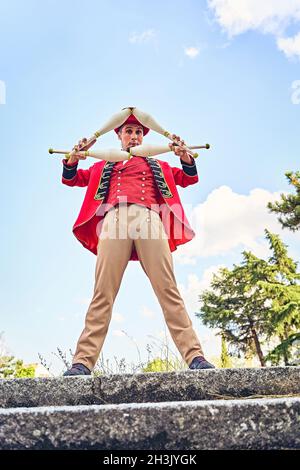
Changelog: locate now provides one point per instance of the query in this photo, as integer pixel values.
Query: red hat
(133, 120)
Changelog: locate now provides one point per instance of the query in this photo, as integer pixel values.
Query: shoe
(77, 369)
(200, 362)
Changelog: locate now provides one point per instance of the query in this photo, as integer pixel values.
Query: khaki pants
(123, 226)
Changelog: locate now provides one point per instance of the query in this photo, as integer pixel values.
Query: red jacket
(172, 213)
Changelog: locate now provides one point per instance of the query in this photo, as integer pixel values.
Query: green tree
(285, 295)
(23, 371)
(12, 368)
(289, 205)
(255, 301)
(226, 361)
(287, 349)
(7, 367)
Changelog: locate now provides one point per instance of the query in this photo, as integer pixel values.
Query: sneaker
(200, 362)
(77, 369)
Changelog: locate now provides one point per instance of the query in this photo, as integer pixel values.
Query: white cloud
(160, 340)
(290, 46)
(83, 300)
(295, 97)
(118, 333)
(210, 342)
(4, 349)
(267, 16)
(186, 255)
(147, 312)
(143, 37)
(195, 286)
(162, 334)
(191, 52)
(2, 92)
(228, 221)
(117, 317)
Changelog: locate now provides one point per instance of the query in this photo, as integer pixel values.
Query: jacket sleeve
(73, 177)
(188, 175)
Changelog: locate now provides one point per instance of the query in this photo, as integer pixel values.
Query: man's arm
(190, 168)
(73, 177)
(188, 175)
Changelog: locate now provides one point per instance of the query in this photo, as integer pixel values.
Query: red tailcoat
(86, 227)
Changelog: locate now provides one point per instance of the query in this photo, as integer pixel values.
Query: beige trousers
(123, 226)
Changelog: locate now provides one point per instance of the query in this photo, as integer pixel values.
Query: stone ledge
(235, 424)
(151, 387)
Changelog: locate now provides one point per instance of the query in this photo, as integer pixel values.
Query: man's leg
(156, 260)
(112, 259)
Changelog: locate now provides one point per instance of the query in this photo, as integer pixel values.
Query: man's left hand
(180, 152)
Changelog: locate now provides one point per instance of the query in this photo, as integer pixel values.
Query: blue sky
(66, 68)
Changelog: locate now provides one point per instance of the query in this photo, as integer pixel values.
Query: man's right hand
(80, 147)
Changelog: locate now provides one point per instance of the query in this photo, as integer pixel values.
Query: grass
(160, 358)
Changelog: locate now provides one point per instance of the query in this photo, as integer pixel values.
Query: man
(132, 211)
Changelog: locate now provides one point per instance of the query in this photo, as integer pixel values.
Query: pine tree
(289, 205)
(285, 295)
(235, 307)
(255, 302)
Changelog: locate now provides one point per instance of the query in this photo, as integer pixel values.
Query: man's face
(131, 135)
